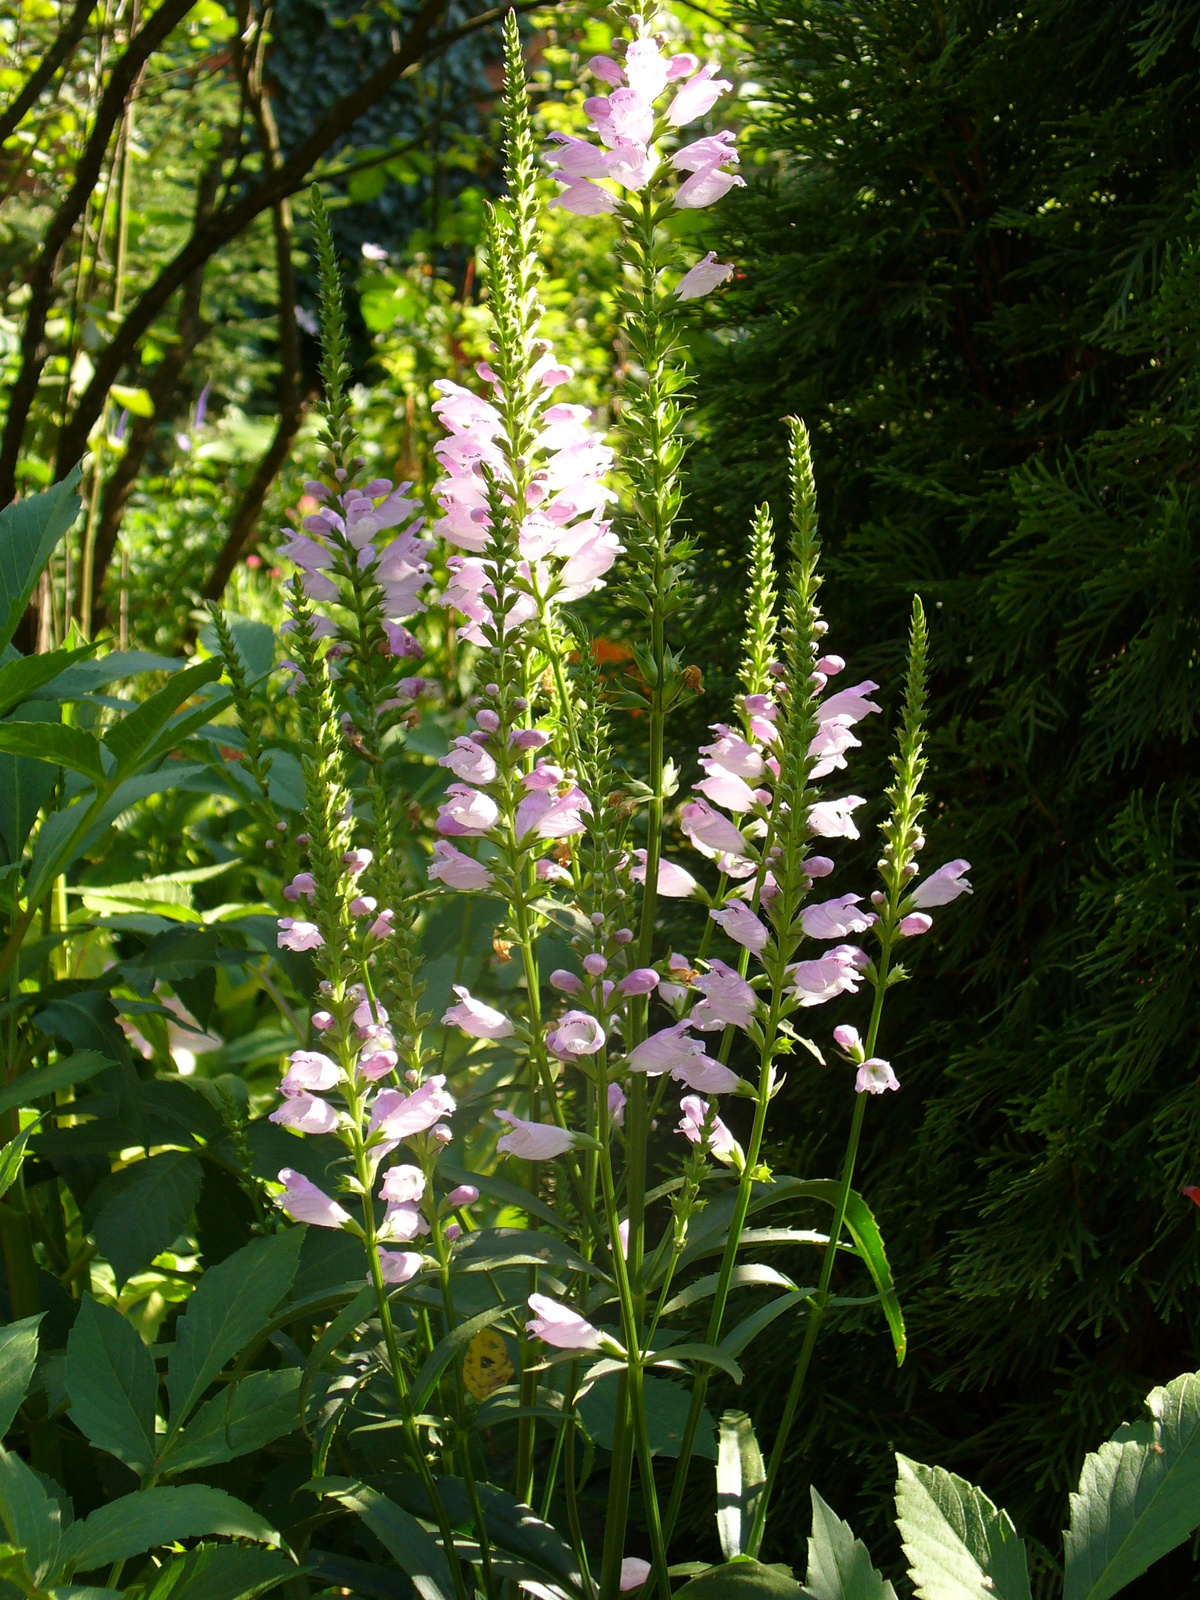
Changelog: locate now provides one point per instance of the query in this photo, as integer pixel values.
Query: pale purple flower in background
(742, 926)
(942, 886)
(304, 1202)
(697, 97)
(706, 1074)
(875, 1076)
(734, 753)
(725, 788)
(307, 1113)
(634, 1572)
(818, 867)
(356, 861)
(834, 919)
(560, 1326)
(616, 1105)
(456, 870)
(295, 935)
(577, 1034)
(728, 999)
(704, 277)
(695, 1113)
(595, 964)
(465, 1195)
(831, 819)
(674, 882)
(398, 1266)
(403, 1184)
(399, 1116)
(533, 1141)
(402, 1222)
(551, 816)
(303, 883)
(917, 922)
(475, 1018)
(566, 982)
(829, 745)
(382, 926)
(377, 1065)
(363, 905)
(309, 1072)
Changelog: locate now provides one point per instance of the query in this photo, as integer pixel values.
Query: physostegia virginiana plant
(636, 1036)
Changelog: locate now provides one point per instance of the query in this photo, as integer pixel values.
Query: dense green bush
(969, 261)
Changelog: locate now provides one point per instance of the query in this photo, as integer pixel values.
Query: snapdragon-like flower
(711, 832)
(403, 1184)
(742, 926)
(398, 1266)
(559, 1326)
(917, 922)
(304, 1202)
(833, 819)
(475, 1018)
(307, 1113)
(721, 1142)
(875, 1076)
(533, 1141)
(836, 972)
(729, 1001)
(704, 277)
(466, 813)
(674, 882)
(942, 886)
(834, 919)
(577, 1034)
(399, 1116)
(299, 936)
(309, 1072)
(469, 761)
(456, 870)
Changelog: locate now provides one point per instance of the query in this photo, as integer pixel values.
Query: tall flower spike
(757, 653)
(336, 433)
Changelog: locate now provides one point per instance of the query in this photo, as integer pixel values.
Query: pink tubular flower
(383, 925)
(398, 1266)
(577, 1034)
(466, 813)
(560, 1326)
(831, 819)
(309, 1072)
(566, 982)
(915, 923)
(710, 831)
(302, 883)
(377, 1065)
(550, 816)
(829, 746)
(728, 999)
(706, 160)
(742, 926)
(473, 1017)
(402, 1222)
(465, 1195)
(848, 1038)
(456, 870)
(703, 278)
(695, 1113)
(304, 1202)
(402, 1184)
(642, 980)
(674, 882)
(834, 919)
(734, 753)
(307, 1113)
(665, 1050)
(634, 1572)
(399, 1116)
(942, 886)
(469, 761)
(533, 1141)
(697, 97)
(706, 1074)
(584, 199)
(616, 1105)
(818, 867)
(875, 1076)
(725, 788)
(852, 703)
(834, 973)
(294, 935)
(356, 861)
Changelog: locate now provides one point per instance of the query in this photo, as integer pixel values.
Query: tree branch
(59, 53)
(41, 277)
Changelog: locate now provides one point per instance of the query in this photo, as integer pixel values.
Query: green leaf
(262, 1407)
(12, 1159)
(30, 530)
(736, 1340)
(218, 1572)
(18, 1357)
(510, 1194)
(959, 1545)
(1138, 1495)
(347, 1320)
(697, 1352)
(415, 1551)
(136, 1213)
(667, 1408)
(490, 1249)
(32, 1520)
(232, 1302)
(54, 742)
(839, 1565)
(131, 739)
(25, 787)
(144, 1521)
(37, 1085)
(743, 1579)
(111, 1383)
(446, 1349)
(748, 1277)
(740, 1476)
(22, 677)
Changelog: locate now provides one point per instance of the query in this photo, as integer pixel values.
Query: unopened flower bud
(441, 1134)
(492, 689)
(451, 1231)
(878, 897)
(412, 1076)
(597, 919)
(322, 1021)
(520, 703)
(487, 720)
(465, 1195)
(594, 965)
(623, 936)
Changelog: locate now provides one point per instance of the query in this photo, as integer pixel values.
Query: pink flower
(642, 980)
(646, 69)
(852, 703)
(469, 761)
(742, 926)
(398, 1266)
(382, 926)
(915, 923)
(674, 882)
(697, 97)
(322, 1021)
(377, 1065)
(578, 158)
(456, 870)
(465, 1195)
(356, 861)
(728, 999)
(832, 974)
(566, 982)
(560, 1326)
(875, 1076)
(550, 816)
(363, 905)
(533, 1141)
(294, 935)
(302, 883)
(829, 745)
(834, 919)
(595, 964)
(466, 812)
(703, 278)
(710, 831)
(402, 1222)
(584, 199)
(706, 1074)
(695, 1114)
(818, 867)
(403, 1184)
(307, 1113)
(399, 1116)
(309, 1071)
(634, 1572)
(304, 1202)
(665, 1050)
(606, 68)
(577, 1034)
(734, 753)
(473, 1017)
(725, 788)
(848, 1038)
(942, 886)
(616, 1105)
(706, 160)
(831, 819)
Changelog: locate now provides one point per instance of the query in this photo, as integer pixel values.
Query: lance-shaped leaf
(32, 1519)
(27, 674)
(54, 742)
(136, 739)
(839, 1565)
(112, 1385)
(18, 1357)
(219, 1572)
(1138, 1495)
(44, 1081)
(30, 530)
(743, 1579)
(12, 1159)
(262, 1407)
(740, 1476)
(137, 1212)
(446, 1349)
(959, 1545)
(415, 1551)
(144, 1521)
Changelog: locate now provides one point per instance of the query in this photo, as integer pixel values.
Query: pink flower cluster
(296, 933)
(564, 501)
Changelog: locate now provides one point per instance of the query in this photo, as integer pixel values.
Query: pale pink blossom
(399, 1116)
(465, 1194)
(852, 702)
(942, 886)
(382, 926)
(304, 1202)
(703, 278)
(917, 922)
(834, 973)
(577, 1034)
(848, 1038)
(307, 1113)
(634, 1572)
(456, 870)
(665, 1050)
(642, 980)
(616, 1105)
(674, 882)
(742, 926)
(695, 1114)
(469, 761)
(559, 1326)
(875, 1076)
(466, 812)
(829, 745)
(566, 982)
(302, 884)
(585, 199)
(831, 819)
(295, 935)
(376, 1065)
(309, 1072)
(735, 754)
(552, 816)
(475, 1018)
(533, 1141)
(398, 1266)
(356, 861)
(818, 867)
(646, 69)
(711, 831)
(402, 1222)
(697, 97)
(605, 68)
(402, 1184)
(728, 999)
(834, 919)
(725, 788)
